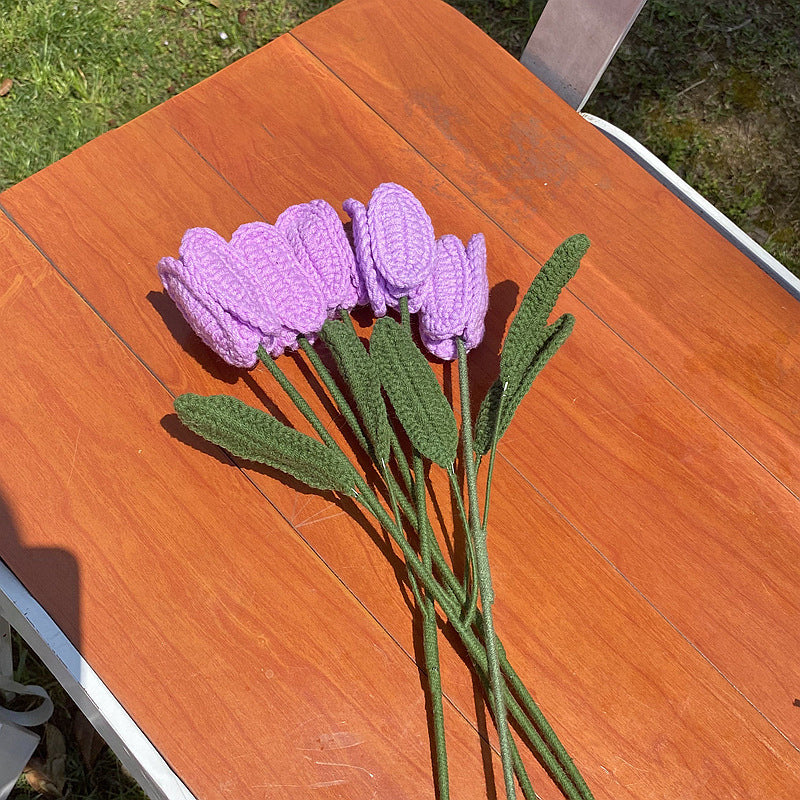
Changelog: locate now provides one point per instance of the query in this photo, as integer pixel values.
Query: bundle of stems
(466, 604)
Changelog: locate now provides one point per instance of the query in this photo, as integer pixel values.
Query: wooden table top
(645, 533)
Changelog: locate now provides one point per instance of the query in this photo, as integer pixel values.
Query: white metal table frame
(20, 610)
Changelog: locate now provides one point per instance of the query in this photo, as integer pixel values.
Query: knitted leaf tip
(359, 373)
(414, 392)
(529, 322)
(543, 350)
(257, 436)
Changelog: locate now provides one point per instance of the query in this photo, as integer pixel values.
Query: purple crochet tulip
(394, 243)
(457, 297)
(373, 287)
(293, 287)
(221, 297)
(320, 243)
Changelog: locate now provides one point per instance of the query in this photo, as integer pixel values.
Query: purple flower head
(221, 297)
(394, 243)
(293, 287)
(317, 237)
(456, 298)
(372, 287)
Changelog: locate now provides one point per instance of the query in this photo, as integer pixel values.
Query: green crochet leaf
(550, 340)
(414, 392)
(358, 371)
(526, 329)
(252, 434)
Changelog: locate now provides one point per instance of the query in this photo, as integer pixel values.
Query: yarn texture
(456, 297)
(273, 287)
(319, 242)
(414, 392)
(527, 328)
(221, 295)
(257, 436)
(360, 375)
(293, 286)
(394, 243)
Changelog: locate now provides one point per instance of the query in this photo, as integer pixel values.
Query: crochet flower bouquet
(280, 286)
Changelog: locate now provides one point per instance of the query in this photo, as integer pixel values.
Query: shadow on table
(38, 576)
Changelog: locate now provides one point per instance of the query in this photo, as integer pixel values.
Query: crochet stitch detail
(401, 236)
(371, 280)
(414, 392)
(295, 288)
(319, 242)
(526, 329)
(220, 296)
(457, 296)
(250, 433)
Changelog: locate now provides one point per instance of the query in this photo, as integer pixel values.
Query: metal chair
(570, 47)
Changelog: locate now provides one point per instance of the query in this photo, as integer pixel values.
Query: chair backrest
(573, 42)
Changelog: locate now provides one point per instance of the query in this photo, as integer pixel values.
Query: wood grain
(542, 173)
(250, 667)
(118, 198)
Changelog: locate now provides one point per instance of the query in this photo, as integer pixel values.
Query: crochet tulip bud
(220, 296)
(477, 291)
(394, 244)
(373, 287)
(317, 237)
(293, 287)
(457, 297)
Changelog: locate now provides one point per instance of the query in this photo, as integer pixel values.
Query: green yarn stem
(341, 402)
(474, 647)
(400, 456)
(484, 576)
(471, 607)
(477, 654)
(450, 598)
(405, 317)
(402, 462)
(492, 453)
(424, 603)
(352, 421)
(300, 402)
(526, 712)
(430, 633)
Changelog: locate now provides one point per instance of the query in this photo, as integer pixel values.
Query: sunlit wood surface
(645, 529)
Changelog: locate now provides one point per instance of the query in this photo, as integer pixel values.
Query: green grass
(80, 68)
(712, 87)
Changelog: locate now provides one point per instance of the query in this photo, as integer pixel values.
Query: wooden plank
(542, 172)
(252, 668)
(356, 156)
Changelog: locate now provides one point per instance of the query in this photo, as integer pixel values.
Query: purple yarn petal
(373, 285)
(234, 341)
(215, 291)
(477, 291)
(237, 286)
(401, 236)
(317, 237)
(442, 348)
(457, 298)
(293, 288)
(444, 313)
